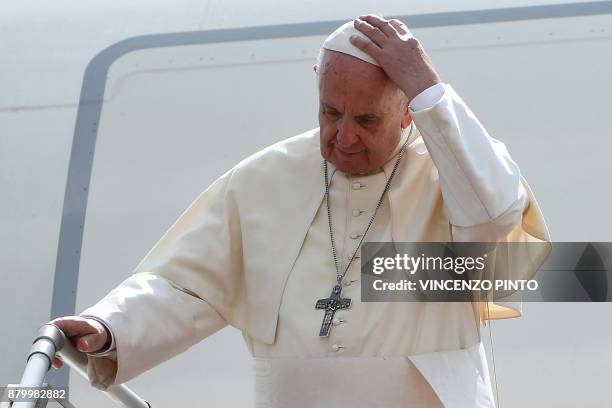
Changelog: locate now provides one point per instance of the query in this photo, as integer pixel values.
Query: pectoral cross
(331, 304)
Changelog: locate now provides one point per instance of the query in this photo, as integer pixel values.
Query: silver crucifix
(331, 304)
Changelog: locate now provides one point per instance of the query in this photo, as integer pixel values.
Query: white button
(336, 347)
(355, 235)
(349, 282)
(357, 256)
(337, 321)
(356, 213)
(357, 185)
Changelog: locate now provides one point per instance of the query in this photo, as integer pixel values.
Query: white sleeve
(186, 288)
(485, 196)
(479, 180)
(157, 320)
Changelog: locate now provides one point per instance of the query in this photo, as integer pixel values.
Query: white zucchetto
(339, 41)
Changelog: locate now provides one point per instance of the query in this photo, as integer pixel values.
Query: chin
(350, 167)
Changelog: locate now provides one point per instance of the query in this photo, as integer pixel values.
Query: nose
(346, 136)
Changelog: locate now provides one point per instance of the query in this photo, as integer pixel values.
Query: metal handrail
(51, 342)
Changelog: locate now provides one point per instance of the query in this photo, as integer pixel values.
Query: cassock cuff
(428, 97)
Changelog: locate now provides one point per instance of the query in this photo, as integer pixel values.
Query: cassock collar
(409, 133)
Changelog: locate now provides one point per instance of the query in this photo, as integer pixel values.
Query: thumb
(90, 342)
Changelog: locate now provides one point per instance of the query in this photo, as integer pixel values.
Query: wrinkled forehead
(338, 65)
(348, 83)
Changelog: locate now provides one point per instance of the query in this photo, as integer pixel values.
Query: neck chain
(339, 275)
(335, 301)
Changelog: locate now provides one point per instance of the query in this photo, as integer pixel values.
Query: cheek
(370, 141)
(328, 133)
(324, 141)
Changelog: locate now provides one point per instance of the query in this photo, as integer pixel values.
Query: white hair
(318, 64)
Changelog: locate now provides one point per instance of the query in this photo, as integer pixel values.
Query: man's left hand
(397, 52)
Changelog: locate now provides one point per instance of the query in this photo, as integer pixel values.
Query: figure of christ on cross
(331, 304)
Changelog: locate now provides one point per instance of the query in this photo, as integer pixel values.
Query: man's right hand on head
(87, 335)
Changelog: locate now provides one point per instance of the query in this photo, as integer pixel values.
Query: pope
(272, 247)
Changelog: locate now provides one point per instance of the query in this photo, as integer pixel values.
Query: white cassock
(253, 251)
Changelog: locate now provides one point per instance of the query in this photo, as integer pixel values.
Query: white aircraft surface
(114, 116)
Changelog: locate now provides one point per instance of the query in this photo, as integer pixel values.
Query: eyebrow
(327, 106)
(362, 116)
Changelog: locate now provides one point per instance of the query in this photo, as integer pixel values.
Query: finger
(400, 27)
(91, 342)
(380, 23)
(366, 46)
(87, 335)
(57, 363)
(74, 326)
(371, 32)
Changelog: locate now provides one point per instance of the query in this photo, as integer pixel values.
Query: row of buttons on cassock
(348, 282)
(337, 321)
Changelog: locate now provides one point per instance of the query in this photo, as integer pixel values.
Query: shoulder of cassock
(227, 258)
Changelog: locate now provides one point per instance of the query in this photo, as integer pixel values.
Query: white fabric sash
(452, 379)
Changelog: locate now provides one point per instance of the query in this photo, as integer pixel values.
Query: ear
(406, 118)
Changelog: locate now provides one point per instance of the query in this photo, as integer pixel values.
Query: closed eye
(331, 112)
(367, 120)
